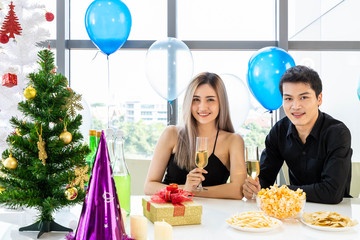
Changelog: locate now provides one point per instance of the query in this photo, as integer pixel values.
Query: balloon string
(109, 99)
(95, 55)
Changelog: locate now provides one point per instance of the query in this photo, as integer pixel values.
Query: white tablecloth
(215, 212)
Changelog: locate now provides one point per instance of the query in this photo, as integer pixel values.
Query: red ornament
(49, 16)
(4, 38)
(9, 80)
(11, 23)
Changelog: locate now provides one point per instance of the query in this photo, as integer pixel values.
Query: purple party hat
(101, 217)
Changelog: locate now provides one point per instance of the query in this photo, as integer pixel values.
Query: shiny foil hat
(100, 217)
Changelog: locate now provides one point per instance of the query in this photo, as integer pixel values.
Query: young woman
(205, 114)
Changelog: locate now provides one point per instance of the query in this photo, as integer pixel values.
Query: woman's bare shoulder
(170, 135)
(232, 139)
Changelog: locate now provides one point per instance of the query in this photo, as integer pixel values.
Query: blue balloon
(358, 90)
(265, 69)
(108, 24)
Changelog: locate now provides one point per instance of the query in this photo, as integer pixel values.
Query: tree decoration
(11, 24)
(9, 80)
(17, 131)
(29, 92)
(71, 192)
(81, 176)
(65, 136)
(21, 55)
(49, 16)
(10, 162)
(4, 38)
(41, 146)
(73, 103)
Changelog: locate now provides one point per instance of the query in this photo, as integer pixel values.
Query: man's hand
(251, 187)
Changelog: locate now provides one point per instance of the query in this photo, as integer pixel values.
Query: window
(146, 113)
(150, 106)
(147, 19)
(223, 45)
(325, 20)
(226, 20)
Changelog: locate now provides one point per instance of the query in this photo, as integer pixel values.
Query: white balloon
(239, 99)
(169, 67)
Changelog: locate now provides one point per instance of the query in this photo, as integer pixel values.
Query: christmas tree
(18, 56)
(45, 152)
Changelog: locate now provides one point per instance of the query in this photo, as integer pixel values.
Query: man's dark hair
(302, 74)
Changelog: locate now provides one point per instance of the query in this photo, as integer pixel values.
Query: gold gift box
(186, 213)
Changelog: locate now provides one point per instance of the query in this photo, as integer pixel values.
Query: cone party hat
(101, 213)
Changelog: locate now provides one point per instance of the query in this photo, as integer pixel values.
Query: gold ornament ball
(29, 93)
(71, 193)
(18, 132)
(10, 163)
(66, 137)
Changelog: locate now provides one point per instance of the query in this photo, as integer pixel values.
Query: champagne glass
(201, 156)
(252, 163)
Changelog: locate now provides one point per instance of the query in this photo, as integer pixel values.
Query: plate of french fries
(328, 221)
(254, 221)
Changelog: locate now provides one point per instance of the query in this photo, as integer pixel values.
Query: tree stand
(44, 227)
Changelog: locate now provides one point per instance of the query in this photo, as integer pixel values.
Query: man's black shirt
(321, 166)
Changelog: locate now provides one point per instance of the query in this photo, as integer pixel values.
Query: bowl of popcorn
(281, 202)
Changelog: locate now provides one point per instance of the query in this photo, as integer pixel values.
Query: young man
(315, 146)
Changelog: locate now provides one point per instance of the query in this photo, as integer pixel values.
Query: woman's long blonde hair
(185, 148)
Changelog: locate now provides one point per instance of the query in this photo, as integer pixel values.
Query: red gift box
(9, 80)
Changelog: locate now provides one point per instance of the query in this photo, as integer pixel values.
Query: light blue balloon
(169, 67)
(265, 69)
(108, 24)
(358, 90)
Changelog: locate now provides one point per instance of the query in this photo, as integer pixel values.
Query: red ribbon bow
(173, 194)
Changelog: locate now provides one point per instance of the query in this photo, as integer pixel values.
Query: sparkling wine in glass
(201, 156)
(252, 162)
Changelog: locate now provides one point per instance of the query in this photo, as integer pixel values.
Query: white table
(215, 212)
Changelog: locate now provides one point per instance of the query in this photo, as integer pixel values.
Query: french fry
(255, 219)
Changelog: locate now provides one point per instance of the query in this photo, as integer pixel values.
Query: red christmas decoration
(4, 38)
(9, 80)
(49, 16)
(11, 24)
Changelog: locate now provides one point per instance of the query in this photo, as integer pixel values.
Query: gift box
(185, 213)
(9, 80)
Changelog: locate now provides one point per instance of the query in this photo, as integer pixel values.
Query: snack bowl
(281, 203)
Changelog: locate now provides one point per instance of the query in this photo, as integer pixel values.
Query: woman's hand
(194, 178)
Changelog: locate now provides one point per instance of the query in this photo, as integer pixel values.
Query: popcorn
(281, 202)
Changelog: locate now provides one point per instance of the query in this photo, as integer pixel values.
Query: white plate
(264, 229)
(330, 229)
